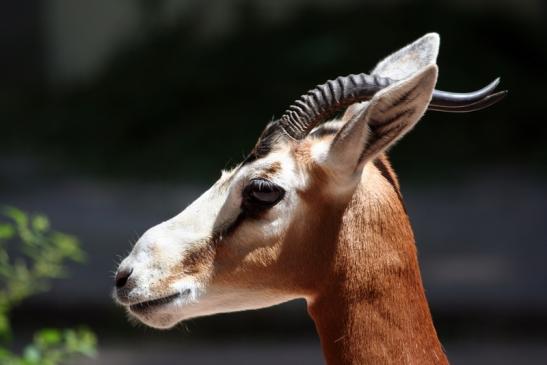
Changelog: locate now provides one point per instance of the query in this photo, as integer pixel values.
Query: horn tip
(500, 94)
(494, 83)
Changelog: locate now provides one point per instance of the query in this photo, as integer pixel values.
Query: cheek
(255, 249)
(242, 267)
(198, 262)
(250, 253)
(194, 265)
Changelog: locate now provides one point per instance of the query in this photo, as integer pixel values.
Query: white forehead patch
(320, 151)
(320, 147)
(278, 167)
(160, 251)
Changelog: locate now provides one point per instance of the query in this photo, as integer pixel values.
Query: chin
(169, 311)
(169, 315)
(155, 317)
(160, 321)
(163, 312)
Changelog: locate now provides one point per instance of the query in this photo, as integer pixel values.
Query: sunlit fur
(340, 239)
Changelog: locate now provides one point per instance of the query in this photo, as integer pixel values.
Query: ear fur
(404, 63)
(395, 110)
(408, 60)
(373, 128)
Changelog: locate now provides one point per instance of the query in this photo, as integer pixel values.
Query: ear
(410, 59)
(404, 63)
(373, 128)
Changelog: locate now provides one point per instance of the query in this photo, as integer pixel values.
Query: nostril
(121, 277)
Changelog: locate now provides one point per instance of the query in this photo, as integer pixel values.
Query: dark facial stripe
(228, 229)
(232, 227)
(269, 137)
(247, 212)
(251, 157)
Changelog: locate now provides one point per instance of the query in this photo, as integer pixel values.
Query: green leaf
(88, 342)
(31, 355)
(6, 231)
(40, 223)
(48, 337)
(5, 329)
(17, 215)
(68, 246)
(41, 257)
(5, 355)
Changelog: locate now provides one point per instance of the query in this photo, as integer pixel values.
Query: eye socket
(261, 193)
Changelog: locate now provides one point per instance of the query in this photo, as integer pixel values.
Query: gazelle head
(264, 232)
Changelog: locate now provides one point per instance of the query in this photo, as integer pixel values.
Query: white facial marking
(320, 151)
(173, 263)
(162, 249)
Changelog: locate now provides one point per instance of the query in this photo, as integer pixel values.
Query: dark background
(114, 115)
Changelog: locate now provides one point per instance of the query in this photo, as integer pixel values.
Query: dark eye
(261, 193)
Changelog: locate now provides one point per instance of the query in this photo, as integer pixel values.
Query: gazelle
(313, 212)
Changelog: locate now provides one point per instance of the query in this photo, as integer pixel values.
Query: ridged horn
(318, 104)
(321, 102)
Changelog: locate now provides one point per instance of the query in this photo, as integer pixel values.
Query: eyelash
(253, 204)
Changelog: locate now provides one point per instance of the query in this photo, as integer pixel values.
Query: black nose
(122, 276)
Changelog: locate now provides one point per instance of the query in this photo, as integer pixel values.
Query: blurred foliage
(41, 257)
(175, 101)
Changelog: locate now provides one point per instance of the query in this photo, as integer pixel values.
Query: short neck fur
(371, 308)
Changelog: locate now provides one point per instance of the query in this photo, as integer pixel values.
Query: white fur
(164, 246)
(320, 151)
(408, 60)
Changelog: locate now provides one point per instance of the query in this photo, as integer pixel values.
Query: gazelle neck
(372, 309)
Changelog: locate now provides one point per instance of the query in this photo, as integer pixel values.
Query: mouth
(148, 305)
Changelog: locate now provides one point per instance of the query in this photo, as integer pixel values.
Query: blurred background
(104, 103)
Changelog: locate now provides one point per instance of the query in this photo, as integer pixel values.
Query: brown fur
(354, 261)
(271, 170)
(368, 301)
(374, 310)
(285, 266)
(361, 269)
(196, 263)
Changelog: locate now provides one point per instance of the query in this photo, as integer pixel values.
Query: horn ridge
(318, 103)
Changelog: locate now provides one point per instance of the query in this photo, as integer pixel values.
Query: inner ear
(410, 59)
(396, 110)
(373, 128)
